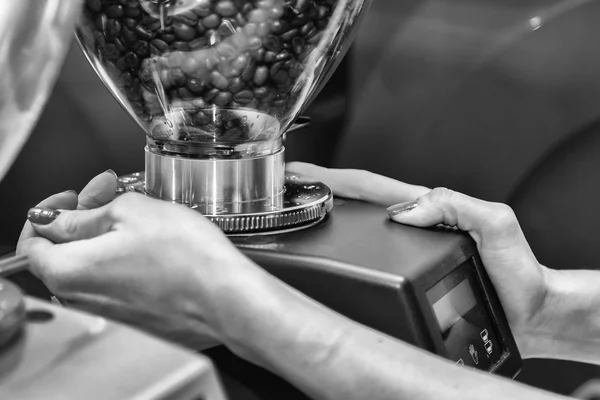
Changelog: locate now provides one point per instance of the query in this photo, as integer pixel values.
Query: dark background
(465, 94)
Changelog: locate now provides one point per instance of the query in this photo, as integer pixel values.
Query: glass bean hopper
(215, 85)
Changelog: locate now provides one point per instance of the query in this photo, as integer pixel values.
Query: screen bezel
(511, 362)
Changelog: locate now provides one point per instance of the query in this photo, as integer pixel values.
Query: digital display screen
(454, 305)
(459, 305)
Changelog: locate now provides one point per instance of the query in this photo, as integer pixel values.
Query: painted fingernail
(401, 208)
(110, 171)
(42, 216)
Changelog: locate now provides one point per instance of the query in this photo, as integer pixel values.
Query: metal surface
(12, 312)
(217, 186)
(66, 354)
(34, 38)
(303, 203)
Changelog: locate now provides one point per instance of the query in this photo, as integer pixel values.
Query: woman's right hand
(519, 279)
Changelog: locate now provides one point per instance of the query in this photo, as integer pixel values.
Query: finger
(360, 184)
(66, 200)
(99, 191)
(67, 226)
(493, 223)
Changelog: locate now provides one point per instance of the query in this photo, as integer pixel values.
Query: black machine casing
(378, 272)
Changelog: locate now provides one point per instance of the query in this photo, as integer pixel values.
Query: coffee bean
(115, 11)
(261, 75)
(199, 43)
(183, 31)
(212, 21)
(132, 12)
(181, 46)
(270, 57)
(94, 5)
(226, 8)
(289, 35)
(143, 33)
(280, 77)
(141, 48)
(132, 60)
(307, 28)
(263, 29)
(168, 37)
(109, 51)
(187, 17)
(272, 43)
(279, 27)
(244, 97)
(190, 66)
(275, 69)
(223, 99)
(178, 77)
(255, 43)
(283, 56)
(184, 93)
(218, 80)
(298, 45)
(112, 28)
(236, 85)
(257, 16)
(261, 92)
(160, 45)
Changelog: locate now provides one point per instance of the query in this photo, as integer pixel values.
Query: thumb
(490, 224)
(67, 226)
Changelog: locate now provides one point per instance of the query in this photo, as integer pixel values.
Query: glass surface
(34, 38)
(204, 75)
(467, 329)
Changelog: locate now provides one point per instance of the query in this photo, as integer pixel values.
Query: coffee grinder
(215, 85)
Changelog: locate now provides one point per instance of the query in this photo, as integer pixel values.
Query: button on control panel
(466, 326)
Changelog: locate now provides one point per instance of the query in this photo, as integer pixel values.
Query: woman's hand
(517, 276)
(158, 266)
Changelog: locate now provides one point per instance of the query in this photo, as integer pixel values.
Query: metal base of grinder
(304, 203)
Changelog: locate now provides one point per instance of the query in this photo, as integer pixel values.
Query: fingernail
(70, 191)
(42, 216)
(401, 208)
(110, 171)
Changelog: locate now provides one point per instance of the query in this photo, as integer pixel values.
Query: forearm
(330, 357)
(568, 326)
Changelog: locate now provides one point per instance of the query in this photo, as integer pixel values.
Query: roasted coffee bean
(307, 28)
(184, 93)
(298, 45)
(295, 70)
(120, 46)
(143, 33)
(199, 43)
(289, 35)
(255, 43)
(187, 17)
(132, 60)
(283, 56)
(195, 85)
(141, 48)
(226, 8)
(261, 75)
(244, 97)
(268, 98)
(132, 12)
(212, 21)
(109, 51)
(160, 45)
(168, 37)
(94, 5)
(270, 57)
(178, 77)
(301, 6)
(323, 12)
(263, 29)
(275, 68)
(272, 43)
(257, 16)
(115, 11)
(223, 99)
(183, 31)
(181, 46)
(112, 28)
(218, 80)
(280, 77)
(261, 92)
(311, 33)
(236, 85)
